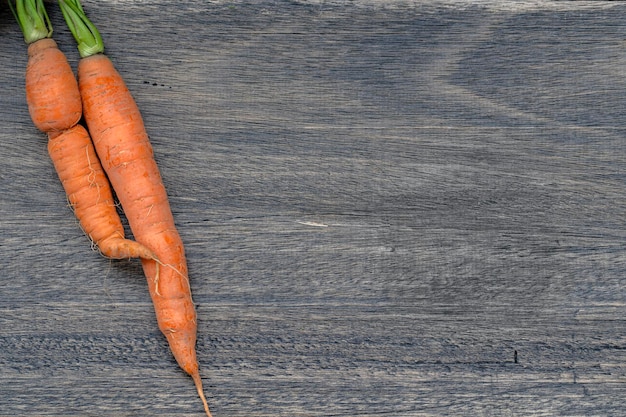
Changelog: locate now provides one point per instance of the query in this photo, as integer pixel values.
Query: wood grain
(389, 208)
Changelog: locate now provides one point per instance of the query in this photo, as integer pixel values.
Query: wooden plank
(389, 208)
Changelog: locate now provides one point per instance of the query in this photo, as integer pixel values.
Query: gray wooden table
(389, 208)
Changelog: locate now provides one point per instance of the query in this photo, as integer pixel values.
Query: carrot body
(54, 104)
(51, 88)
(89, 193)
(121, 141)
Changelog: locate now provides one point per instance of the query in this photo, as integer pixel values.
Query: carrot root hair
(156, 275)
(198, 381)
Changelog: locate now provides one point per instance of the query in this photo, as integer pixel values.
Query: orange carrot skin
(51, 89)
(121, 141)
(55, 106)
(89, 193)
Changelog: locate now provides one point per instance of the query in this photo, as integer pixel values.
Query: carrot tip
(198, 382)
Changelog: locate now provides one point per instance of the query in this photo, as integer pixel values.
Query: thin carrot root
(156, 277)
(171, 267)
(117, 247)
(198, 381)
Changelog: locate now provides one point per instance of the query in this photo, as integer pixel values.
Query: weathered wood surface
(380, 204)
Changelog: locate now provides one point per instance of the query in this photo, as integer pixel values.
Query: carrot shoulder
(51, 89)
(122, 144)
(55, 107)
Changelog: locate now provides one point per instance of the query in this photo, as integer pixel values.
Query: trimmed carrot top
(33, 19)
(86, 34)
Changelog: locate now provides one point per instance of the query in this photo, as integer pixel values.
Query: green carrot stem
(86, 34)
(33, 19)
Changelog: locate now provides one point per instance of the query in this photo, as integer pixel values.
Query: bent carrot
(121, 141)
(55, 107)
(89, 194)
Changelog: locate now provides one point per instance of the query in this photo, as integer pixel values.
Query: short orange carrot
(121, 142)
(55, 107)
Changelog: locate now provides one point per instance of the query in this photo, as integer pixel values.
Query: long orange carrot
(55, 107)
(121, 141)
